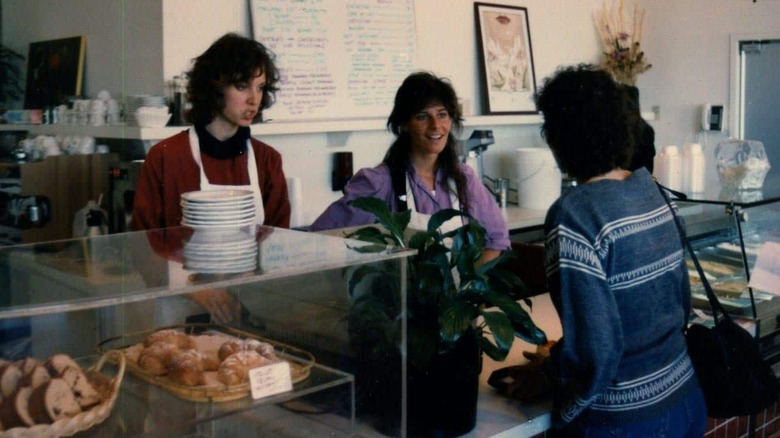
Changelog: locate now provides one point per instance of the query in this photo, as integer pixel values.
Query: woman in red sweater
(229, 86)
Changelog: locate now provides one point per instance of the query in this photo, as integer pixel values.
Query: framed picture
(55, 69)
(508, 81)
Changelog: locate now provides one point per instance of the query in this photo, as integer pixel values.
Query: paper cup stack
(224, 240)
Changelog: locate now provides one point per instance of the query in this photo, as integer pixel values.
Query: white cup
(97, 119)
(113, 118)
(86, 145)
(97, 106)
(81, 106)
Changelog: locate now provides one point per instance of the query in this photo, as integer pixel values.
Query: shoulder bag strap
(714, 303)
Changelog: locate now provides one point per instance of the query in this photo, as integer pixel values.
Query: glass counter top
(717, 194)
(136, 266)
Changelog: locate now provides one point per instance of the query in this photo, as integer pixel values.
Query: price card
(270, 379)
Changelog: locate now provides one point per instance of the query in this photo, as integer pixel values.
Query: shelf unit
(268, 128)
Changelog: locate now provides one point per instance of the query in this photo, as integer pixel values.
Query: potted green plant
(456, 309)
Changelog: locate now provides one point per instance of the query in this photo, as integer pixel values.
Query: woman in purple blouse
(421, 170)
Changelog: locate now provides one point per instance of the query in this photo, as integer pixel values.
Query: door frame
(737, 63)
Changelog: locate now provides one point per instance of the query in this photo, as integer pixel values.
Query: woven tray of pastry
(56, 397)
(204, 362)
(715, 269)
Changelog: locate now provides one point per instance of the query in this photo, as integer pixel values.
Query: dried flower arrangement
(623, 57)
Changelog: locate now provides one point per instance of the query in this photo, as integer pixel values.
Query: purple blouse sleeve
(484, 208)
(374, 182)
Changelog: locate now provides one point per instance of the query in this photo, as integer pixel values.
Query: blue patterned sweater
(618, 280)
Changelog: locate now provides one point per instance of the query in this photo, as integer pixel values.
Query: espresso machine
(472, 151)
(121, 194)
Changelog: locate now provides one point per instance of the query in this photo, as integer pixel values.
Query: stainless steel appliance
(122, 179)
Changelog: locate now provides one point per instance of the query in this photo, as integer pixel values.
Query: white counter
(522, 218)
(501, 416)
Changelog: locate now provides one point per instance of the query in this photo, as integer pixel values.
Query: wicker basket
(86, 419)
(300, 362)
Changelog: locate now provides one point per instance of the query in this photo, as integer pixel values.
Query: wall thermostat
(712, 117)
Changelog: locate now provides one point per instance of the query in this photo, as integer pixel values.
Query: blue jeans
(688, 419)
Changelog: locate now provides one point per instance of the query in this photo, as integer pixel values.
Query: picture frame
(508, 78)
(55, 71)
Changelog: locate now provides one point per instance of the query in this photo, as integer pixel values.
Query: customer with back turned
(421, 170)
(616, 273)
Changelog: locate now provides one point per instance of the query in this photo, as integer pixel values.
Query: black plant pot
(442, 401)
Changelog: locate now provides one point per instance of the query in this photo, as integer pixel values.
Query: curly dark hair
(588, 121)
(418, 91)
(230, 60)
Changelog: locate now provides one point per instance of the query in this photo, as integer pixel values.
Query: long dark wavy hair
(589, 123)
(230, 60)
(418, 91)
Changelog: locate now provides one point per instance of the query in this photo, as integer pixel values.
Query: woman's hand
(220, 304)
(487, 255)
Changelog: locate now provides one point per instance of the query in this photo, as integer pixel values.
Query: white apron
(419, 221)
(254, 177)
(179, 307)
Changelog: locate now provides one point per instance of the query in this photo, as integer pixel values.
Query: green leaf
(402, 220)
(491, 350)
(501, 327)
(395, 224)
(370, 234)
(526, 330)
(440, 217)
(466, 259)
(524, 327)
(455, 318)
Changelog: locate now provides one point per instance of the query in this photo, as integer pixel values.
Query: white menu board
(338, 59)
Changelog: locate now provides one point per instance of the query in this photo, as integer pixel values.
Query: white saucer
(216, 196)
(199, 225)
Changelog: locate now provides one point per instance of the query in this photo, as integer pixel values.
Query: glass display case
(84, 297)
(727, 227)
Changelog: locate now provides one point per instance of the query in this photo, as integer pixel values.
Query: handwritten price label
(270, 379)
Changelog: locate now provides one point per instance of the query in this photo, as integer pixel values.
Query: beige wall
(123, 38)
(135, 46)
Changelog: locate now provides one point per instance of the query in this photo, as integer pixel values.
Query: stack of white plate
(208, 252)
(137, 101)
(224, 238)
(218, 209)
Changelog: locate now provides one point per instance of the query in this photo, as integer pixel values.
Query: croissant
(235, 368)
(170, 336)
(186, 368)
(155, 359)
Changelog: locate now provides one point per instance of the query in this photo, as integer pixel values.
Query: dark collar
(230, 148)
